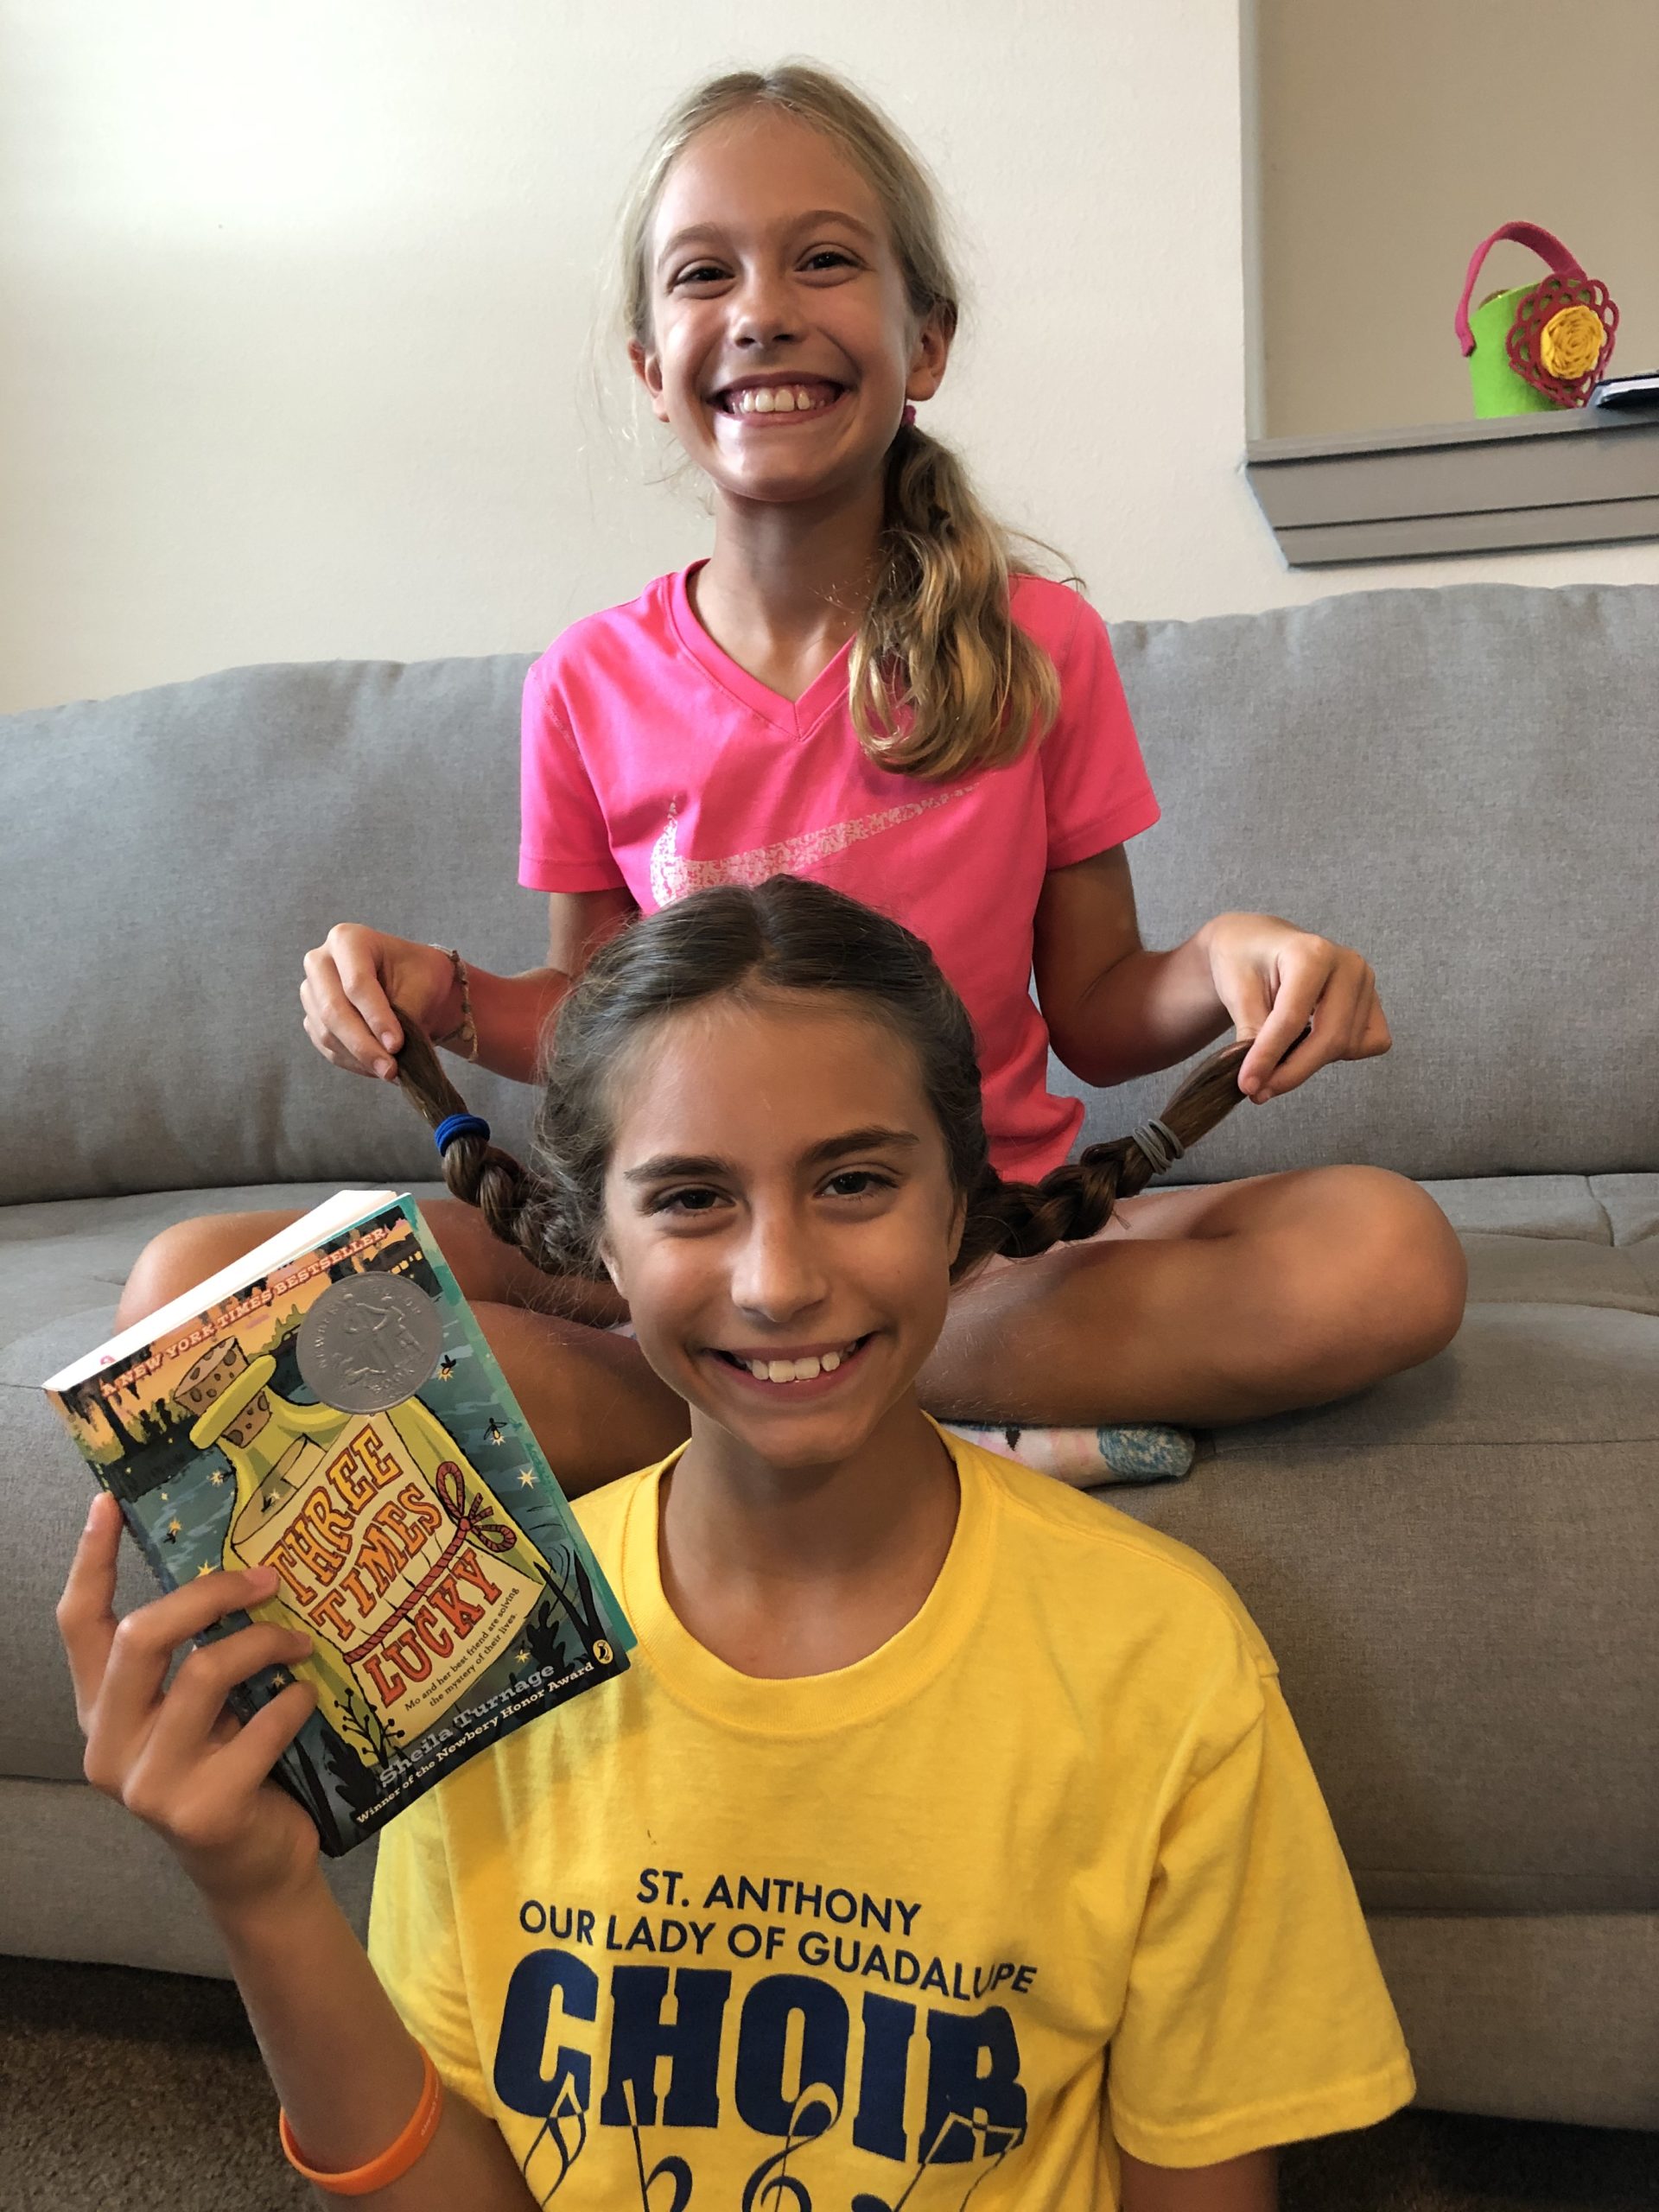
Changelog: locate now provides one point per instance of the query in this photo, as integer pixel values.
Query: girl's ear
(930, 352)
(609, 1261)
(649, 370)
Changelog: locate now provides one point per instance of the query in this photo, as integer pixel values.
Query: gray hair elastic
(1160, 1143)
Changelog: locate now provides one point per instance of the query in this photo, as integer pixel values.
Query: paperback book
(328, 1407)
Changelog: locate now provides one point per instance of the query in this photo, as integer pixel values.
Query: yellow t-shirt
(1048, 1868)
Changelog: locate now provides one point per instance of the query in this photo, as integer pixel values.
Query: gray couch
(1456, 1569)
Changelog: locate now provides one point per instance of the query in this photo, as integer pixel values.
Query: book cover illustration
(342, 1420)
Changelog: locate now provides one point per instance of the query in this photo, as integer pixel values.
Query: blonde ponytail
(943, 679)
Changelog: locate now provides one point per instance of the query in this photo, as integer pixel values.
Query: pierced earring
(907, 420)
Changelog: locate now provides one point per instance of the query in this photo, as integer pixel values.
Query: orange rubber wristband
(392, 2163)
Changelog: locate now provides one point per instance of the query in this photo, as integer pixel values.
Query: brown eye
(857, 1183)
(695, 1199)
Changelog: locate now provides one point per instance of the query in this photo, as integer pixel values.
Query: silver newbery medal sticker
(369, 1343)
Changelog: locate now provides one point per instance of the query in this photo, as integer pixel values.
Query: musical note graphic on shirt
(986, 2138)
(672, 877)
(771, 2183)
(676, 2169)
(565, 2107)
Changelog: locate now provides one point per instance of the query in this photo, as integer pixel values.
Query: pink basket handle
(1543, 242)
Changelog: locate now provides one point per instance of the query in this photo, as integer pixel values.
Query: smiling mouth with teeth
(778, 398)
(793, 1370)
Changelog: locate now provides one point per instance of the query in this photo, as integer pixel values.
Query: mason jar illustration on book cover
(343, 1423)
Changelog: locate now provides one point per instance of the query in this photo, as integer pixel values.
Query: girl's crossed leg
(1201, 1305)
(1219, 1303)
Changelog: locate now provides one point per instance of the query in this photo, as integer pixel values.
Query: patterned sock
(1130, 1452)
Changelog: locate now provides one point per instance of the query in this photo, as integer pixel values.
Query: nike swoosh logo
(672, 875)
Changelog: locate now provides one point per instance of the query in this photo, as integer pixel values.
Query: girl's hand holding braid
(1277, 982)
(356, 978)
(173, 1753)
(351, 980)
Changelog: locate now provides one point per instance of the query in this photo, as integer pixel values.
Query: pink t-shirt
(652, 761)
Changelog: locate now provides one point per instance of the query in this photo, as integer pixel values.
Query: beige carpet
(123, 2092)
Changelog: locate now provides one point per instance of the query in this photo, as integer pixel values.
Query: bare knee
(186, 1254)
(1412, 1266)
(1380, 1285)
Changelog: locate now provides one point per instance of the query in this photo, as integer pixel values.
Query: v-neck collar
(799, 717)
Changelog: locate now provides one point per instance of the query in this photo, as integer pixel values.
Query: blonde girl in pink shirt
(859, 684)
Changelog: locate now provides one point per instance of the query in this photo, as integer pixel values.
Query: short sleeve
(1096, 791)
(415, 1945)
(564, 842)
(1256, 2012)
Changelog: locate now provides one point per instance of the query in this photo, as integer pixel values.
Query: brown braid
(1075, 1200)
(517, 1204)
(783, 937)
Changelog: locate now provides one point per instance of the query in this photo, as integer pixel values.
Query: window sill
(1587, 476)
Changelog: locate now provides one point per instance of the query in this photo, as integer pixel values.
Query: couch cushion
(1463, 782)
(171, 857)
(1466, 1635)
(1566, 1240)
(84, 1880)
(1531, 2017)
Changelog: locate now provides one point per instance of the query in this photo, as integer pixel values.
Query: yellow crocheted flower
(1570, 343)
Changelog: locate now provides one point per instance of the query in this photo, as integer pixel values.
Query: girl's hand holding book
(351, 980)
(171, 1754)
(1277, 981)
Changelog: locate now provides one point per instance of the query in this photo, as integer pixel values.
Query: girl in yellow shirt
(948, 1839)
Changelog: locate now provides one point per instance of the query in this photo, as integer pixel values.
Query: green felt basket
(1504, 339)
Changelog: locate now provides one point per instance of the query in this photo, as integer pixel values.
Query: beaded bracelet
(463, 1038)
(392, 2163)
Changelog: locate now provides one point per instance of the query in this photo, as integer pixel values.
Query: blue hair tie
(460, 1125)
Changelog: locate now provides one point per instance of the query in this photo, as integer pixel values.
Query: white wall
(296, 295)
(1393, 140)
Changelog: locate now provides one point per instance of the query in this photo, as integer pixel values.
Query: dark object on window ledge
(1627, 391)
